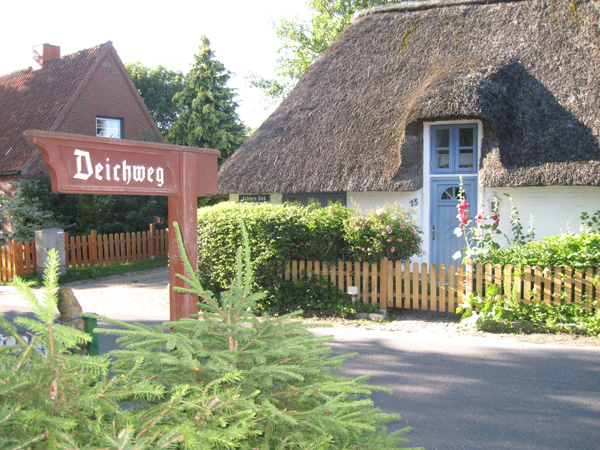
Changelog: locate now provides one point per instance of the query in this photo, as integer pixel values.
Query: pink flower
(380, 211)
(390, 240)
(393, 249)
(400, 240)
(389, 229)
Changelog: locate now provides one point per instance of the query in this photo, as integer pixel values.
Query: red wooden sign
(91, 165)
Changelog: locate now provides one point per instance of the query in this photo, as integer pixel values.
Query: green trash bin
(89, 324)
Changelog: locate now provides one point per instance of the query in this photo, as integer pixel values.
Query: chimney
(42, 53)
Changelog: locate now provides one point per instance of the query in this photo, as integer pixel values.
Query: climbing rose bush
(389, 232)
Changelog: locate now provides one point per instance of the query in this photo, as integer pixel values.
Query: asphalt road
(456, 391)
(466, 392)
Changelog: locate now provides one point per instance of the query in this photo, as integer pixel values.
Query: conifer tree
(222, 380)
(237, 381)
(208, 115)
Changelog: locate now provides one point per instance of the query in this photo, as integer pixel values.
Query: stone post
(44, 241)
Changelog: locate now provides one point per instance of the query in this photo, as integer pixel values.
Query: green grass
(102, 271)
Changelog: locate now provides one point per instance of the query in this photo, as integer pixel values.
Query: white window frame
(113, 127)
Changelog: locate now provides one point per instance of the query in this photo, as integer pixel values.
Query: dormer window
(109, 127)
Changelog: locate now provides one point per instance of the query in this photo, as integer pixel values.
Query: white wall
(555, 209)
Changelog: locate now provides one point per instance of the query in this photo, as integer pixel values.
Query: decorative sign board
(90, 165)
(254, 198)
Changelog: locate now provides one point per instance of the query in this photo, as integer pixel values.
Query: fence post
(15, 260)
(469, 278)
(383, 275)
(151, 242)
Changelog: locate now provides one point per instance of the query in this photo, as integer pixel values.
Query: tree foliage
(157, 87)
(208, 116)
(303, 42)
(35, 207)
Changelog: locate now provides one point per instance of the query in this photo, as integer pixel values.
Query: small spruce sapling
(50, 397)
(232, 380)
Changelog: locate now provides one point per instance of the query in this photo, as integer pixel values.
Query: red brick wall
(108, 93)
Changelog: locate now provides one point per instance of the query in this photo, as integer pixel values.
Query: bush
(316, 297)
(281, 233)
(504, 314)
(578, 251)
(229, 381)
(385, 232)
(275, 234)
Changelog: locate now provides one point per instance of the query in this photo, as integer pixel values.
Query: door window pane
(442, 159)
(442, 138)
(465, 158)
(465, 137)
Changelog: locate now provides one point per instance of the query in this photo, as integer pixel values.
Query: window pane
(465, 137)
(332, 200)
(442, 159)
(312, 200)
(465, 160)
(442, 138)
(110, 128)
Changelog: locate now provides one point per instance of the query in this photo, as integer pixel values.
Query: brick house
(88, 92)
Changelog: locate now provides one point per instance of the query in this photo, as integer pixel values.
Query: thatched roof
(529, 70)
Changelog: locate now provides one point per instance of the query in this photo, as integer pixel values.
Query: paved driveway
(456, 391)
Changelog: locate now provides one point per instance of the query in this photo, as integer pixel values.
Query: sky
(166, 32)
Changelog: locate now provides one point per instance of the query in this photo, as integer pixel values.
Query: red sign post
(90, 165)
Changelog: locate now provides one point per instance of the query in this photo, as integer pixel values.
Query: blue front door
(445, 197)
(453, 154)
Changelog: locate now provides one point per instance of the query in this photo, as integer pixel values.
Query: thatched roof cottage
(412, 96)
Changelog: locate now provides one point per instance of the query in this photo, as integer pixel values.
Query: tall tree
(208, 115)
(304, 42)
(157, 87)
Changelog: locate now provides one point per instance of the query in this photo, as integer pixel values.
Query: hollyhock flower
(479, 219)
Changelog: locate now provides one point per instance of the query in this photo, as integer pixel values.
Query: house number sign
(90, 165)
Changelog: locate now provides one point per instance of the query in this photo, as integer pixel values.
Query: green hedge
(578, 251)
(280, 233)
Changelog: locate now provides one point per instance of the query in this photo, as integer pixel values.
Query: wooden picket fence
(18, 258)
(390, 284)
(118, 248)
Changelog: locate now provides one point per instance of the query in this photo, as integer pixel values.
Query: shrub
(315, 296)
(578, 251)
(505, 314)
(385, 232)
(280, 233)
(275, 234)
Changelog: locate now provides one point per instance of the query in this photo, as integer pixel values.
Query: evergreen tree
(35, 207)
(223, 380)
(208, 115)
